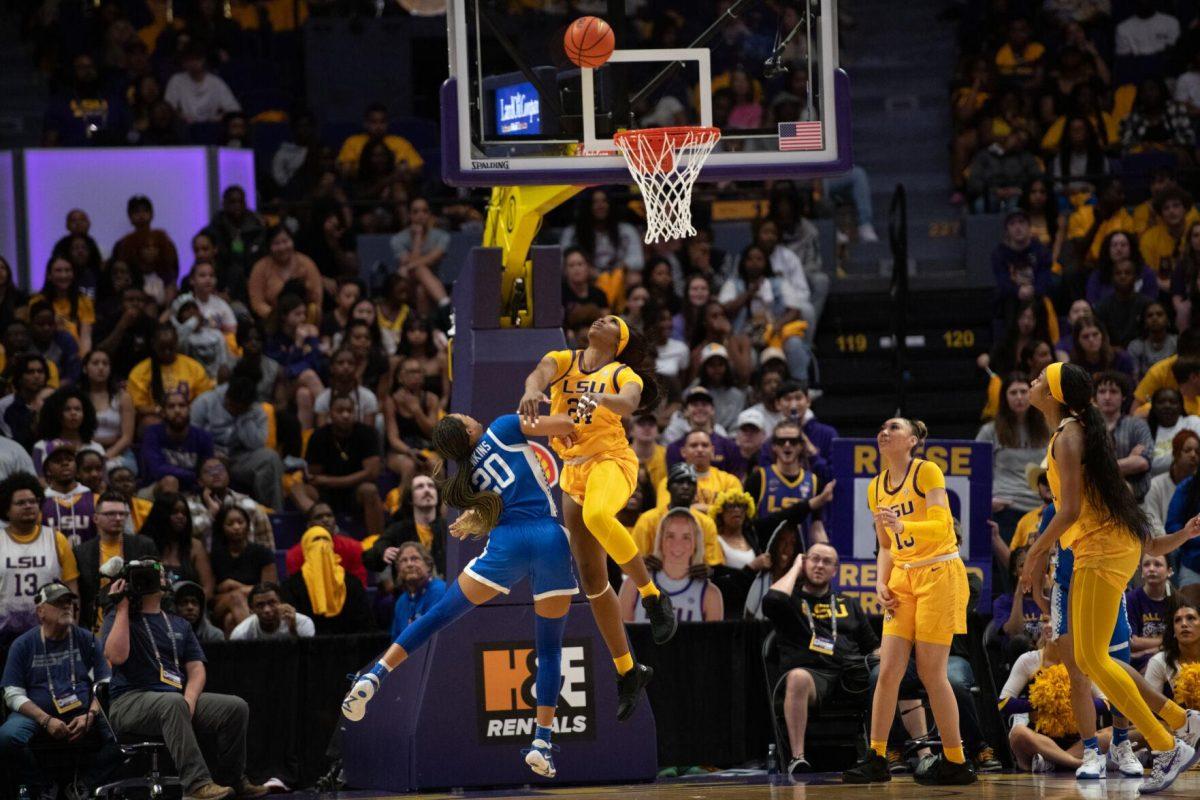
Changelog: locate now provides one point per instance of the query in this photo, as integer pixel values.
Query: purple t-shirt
(1002, 607)
(1147, 617)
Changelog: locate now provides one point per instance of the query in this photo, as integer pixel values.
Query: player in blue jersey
(499, 486)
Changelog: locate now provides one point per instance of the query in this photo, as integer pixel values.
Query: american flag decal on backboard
(800, 136)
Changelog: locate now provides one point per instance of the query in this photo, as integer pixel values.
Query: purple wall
(177, 180)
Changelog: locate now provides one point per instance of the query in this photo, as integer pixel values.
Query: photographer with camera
(102, 558)
(158, 684)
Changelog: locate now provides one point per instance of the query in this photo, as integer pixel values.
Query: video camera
(142, 577)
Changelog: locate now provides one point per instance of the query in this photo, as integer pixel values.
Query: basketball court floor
(725, 786)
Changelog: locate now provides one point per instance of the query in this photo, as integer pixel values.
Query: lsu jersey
(777, 492)
(504, 463)
(1090, 519)
(908, 501)
(73, 513)
(604, 433)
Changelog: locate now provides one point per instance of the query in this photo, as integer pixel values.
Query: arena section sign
(968, 469)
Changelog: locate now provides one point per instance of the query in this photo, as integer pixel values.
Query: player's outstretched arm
(552, 425)
(535, 390)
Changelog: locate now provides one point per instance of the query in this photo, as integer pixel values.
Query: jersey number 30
(492, 475)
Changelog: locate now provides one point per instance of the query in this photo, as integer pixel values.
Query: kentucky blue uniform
(775, 492)
(529, 539)
(1063, 560)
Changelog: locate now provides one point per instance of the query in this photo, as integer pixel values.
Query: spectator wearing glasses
(158, 690)
(26, 541)
(271, 618)
(112, 512)
(417, 588)
(48, 691)
(786, 483)
(823, 639)
(213, 493)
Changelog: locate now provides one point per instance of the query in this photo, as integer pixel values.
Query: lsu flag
(800, 136)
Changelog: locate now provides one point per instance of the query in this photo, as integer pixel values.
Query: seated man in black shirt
(343, 465)
(820, 651)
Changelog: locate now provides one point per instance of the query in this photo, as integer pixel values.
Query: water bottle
(772, 760)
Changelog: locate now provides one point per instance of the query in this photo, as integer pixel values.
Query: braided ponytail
(452, 442)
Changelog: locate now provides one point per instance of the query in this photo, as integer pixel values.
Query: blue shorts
(1118, 646)
(536, 548)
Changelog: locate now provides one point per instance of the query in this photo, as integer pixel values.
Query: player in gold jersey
(922, 584)
(1098, 517)
(600, 474)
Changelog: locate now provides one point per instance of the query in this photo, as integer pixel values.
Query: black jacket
(87, 557)
(406, 531)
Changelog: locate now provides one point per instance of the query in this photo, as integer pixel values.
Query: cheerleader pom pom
(1187, 686)
(1050, 696)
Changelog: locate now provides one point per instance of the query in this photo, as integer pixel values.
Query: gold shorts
(574, 478)
(932, 602)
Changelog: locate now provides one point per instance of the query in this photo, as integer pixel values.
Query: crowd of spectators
(186, 401)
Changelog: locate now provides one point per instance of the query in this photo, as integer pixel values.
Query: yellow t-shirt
(646, 528)
(52, 379)
(1158, 377)
(909, 503)
(425, 534)
(185, 375)
(1160, 250)
(605, 433)
(656, 465)
(85, 313)
(1053, 136)
(107, 551)
(1081, 220)
(393, 500)
(1144, 217)
(708, 486)
(1026, 527)
(1009, 64)
(401, 148)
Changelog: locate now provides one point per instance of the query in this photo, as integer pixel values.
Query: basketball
(589, 42)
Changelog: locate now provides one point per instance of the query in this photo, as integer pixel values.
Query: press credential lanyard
(69, 701)
(821, 644)
(171, 677)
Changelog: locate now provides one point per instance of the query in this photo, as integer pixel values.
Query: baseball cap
(772, 354)
(751, 416)
(681, 472)
(713, 350)
(62, 449)
(645, 419)
(1016, 213)
(53, 592)
(697, 392)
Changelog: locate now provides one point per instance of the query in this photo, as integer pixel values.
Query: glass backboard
(516, 111)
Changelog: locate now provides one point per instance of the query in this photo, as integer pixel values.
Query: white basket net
(665, 163)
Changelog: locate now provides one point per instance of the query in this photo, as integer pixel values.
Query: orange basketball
(589, 42)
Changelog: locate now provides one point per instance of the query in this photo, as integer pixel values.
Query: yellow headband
(1054, 381)
(623, 338)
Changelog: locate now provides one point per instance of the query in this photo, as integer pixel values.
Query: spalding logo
(548, 462)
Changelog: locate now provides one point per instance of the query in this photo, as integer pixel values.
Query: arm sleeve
(66, 557)
(939, 520)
